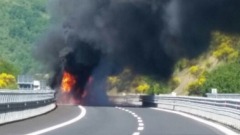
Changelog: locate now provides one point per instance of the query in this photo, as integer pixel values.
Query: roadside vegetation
(127, 82)
(7, 75)
(218, 68)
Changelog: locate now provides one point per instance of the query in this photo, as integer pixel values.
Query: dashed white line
(140, 124)
(136, 133)
(140, 128)
(135, 115)
(139, 119)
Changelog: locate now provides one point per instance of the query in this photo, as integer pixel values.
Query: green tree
(8, 68)
(22, 23)
(7, 81)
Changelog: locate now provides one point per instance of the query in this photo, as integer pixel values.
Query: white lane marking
(140, 124)
(139, 119)
(136, 133)
(140, 128)
(80, 116)
(212, 124)
(135, 115)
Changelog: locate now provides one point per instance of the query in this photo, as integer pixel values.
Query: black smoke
(101, 37)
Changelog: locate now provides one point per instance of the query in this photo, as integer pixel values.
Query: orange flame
(68, 81)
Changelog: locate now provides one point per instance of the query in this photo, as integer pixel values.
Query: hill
(216, 68)
(22, 22)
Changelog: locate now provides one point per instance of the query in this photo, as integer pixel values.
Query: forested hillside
(21, 24)
(219, 68)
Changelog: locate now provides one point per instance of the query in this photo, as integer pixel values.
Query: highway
(90, 120)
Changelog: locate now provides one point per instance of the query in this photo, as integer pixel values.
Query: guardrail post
(174, 101)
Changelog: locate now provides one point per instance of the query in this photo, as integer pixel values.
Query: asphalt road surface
(66, 120)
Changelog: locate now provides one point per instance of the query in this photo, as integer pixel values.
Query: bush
(194, 88)
(7, 81)
(196, 70)
(226, 52)
(225, 47)
(225, 78)
(182, 64)
(6, 67)
(143, 87)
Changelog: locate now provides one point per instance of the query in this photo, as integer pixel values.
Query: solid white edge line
(212, 124)
(80, 116)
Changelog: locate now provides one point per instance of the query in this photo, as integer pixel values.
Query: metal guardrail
(125, 100)
(17, 96)
(223, 95)
(21, 104)
(226, 111)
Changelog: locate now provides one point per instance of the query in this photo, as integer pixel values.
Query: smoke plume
(101, 37)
